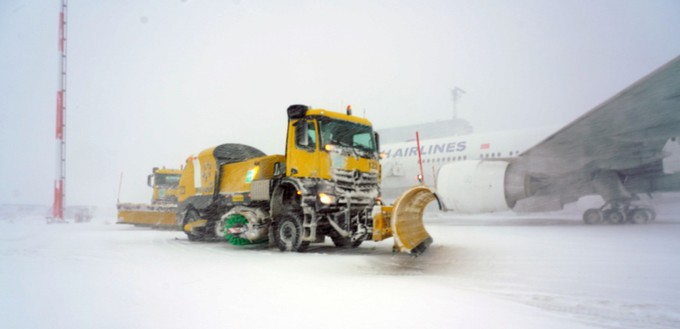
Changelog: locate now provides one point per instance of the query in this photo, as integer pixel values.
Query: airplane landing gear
(614, 216)
(592, 216)
(641, 215)
(619, 212)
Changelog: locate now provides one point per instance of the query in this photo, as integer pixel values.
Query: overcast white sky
(151, 82)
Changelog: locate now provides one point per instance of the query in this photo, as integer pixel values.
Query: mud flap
(408, 230)
(192, 227)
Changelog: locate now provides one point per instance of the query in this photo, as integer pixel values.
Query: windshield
(348, 134)
(167, 179)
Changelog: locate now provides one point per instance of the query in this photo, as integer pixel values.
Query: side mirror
(301, 136)
(149, 180)
(279, 169)
(376, 138)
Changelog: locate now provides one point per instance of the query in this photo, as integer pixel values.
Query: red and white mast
(59, 192)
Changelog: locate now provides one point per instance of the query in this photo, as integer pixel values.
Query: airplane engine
(479, 186)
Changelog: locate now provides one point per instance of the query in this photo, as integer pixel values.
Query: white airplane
(617, 150)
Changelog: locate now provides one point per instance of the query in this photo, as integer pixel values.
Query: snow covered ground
(546, 271)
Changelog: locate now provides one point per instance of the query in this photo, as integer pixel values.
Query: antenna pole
(457, 94)
(59, 188)
(120, 184)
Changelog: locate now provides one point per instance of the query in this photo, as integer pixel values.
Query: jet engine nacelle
(479, 186)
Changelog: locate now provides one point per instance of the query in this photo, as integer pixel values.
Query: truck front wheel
(288, 233)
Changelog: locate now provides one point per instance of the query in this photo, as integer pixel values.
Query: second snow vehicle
(161, 212)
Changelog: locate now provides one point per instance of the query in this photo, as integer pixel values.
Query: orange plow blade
(407, 226)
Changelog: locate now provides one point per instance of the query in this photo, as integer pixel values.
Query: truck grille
(360, 186)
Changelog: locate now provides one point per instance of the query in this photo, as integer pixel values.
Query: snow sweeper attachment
(404, 221)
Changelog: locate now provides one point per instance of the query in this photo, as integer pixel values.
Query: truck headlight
(327, 198)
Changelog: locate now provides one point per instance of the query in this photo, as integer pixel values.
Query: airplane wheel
(592, 216)
(639, 216)
(614, 216)
(652, 213)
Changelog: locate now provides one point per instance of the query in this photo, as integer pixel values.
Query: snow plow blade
(407, 226)
(156, 216)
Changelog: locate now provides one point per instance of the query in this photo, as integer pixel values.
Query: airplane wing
(616, 150)
(625, 133)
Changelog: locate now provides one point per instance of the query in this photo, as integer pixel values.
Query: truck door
(302, 158)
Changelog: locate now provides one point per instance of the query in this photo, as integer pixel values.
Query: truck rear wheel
(288, 233)
(192, 216)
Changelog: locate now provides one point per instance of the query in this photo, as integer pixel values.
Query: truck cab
(332, 179)
(336, 152)
(164, 183)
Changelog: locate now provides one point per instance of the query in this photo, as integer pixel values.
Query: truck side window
(305, 135)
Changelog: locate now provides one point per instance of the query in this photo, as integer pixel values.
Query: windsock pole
(59, 188)
(421, 177)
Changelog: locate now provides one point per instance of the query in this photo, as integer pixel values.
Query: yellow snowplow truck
(161, 212)
(327, 184)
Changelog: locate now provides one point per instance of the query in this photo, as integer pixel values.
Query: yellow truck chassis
(326, 185)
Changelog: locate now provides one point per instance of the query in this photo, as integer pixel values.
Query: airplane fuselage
(400, 162)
